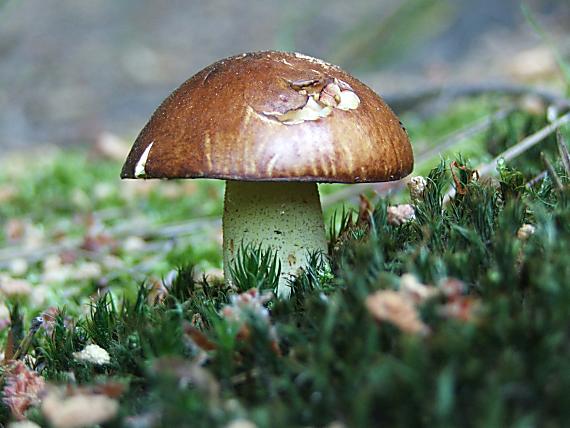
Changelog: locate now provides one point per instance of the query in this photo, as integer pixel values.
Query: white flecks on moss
(93, 354)
(140, 166)
(284, 216)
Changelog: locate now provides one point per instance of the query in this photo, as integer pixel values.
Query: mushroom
(273, 125)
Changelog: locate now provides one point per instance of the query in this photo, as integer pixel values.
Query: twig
(563, 150)
(404, 102)
(524, 145)
(516, 150)
(466, 132)
(537, 179)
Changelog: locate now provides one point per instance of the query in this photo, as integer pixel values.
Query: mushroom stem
(285, 216)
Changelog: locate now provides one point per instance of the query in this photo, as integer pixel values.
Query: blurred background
(72, 71)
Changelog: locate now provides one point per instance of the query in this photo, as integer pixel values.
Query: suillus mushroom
(273, 125)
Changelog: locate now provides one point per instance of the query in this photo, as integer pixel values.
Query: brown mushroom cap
(242, 118)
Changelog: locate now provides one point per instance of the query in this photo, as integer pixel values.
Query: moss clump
(494, 352)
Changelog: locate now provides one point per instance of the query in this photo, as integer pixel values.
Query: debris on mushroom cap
(400, 214)
(336, 128)
(348, 101)
(323, 95)
(310, 111)
(140, 166)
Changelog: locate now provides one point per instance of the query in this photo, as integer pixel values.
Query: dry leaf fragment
(22, 389)
(365, 211)
(78, 410)
(414, 290)
(393, 307)
(417, 186)
(12, 288)
(15, 229)
(452, 288)
(198, 338)
(462, 309)
(400, 214)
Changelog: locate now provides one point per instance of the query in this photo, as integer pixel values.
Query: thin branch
(563, 150)
(537, 179)
(516, 150)
(524, 145)
(466, 132)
